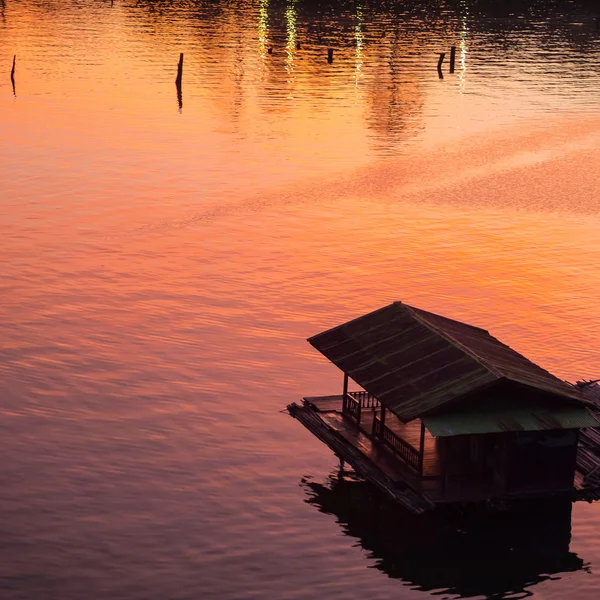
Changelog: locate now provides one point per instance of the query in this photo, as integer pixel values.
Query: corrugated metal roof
(509, 419)
(414, 361)
(496, 356)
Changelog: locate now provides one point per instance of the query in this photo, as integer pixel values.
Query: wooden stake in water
(439, 67)
(330, 55)
(179, 71)
(12, 75)
(452, 58)
(178, 81)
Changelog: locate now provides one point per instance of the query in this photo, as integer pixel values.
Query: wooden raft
(383, 474)
(320, 415)
(588, 454)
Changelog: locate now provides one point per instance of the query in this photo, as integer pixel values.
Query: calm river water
(164, 259)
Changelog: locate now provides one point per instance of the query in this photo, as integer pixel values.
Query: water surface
(162, 266)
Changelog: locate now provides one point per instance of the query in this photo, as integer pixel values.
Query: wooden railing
(377, 428)
(353, 407)
(403, 449)
(366, 400)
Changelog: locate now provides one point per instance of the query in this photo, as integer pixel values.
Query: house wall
(481, 466)
(509, 462)
(542, 460)
(475, 465)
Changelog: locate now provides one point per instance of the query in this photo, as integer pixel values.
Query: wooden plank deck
(355, 448)
(409, 432)
(325, 403)
(376, 461)
(374, 452)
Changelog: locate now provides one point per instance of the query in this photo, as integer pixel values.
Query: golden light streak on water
(290, 46)
(359, 39)
(263, 29)
(463, 34)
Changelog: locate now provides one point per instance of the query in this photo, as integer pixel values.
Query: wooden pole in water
(178, 81)
(439, 67)
(12, 75)
(179, 98)
(330, 55)
(452, 58)
(179, 71)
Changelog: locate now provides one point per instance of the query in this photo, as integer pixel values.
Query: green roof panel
(510, 419)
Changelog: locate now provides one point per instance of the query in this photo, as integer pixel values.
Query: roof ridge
(452, 339)
(415, 309)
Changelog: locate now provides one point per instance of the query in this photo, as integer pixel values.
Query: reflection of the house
(491, 554)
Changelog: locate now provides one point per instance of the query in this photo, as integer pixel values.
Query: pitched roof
(415, 361)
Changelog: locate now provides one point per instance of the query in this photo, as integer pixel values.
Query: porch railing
(404, 450)
(365, 399)
(353, 407)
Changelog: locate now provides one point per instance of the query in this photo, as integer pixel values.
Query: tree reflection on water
(482, 552)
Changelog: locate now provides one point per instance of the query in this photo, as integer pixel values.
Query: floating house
(446, 413)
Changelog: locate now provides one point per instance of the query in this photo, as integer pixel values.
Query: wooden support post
(383, 412)
(452, 58)
(330, 55)
(421, 448)
(439, 66)
(298, 46)
(443, 450)
(270, 50)
(345, 394)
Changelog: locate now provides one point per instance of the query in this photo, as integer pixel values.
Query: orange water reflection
(161, 270)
